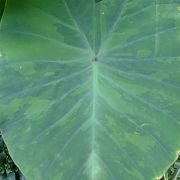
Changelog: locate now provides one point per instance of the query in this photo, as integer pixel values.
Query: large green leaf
(91, 90)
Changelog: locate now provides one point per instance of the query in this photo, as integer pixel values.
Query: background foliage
(2, 3)
(8, 170)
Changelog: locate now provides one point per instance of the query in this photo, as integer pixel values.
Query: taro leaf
(91, 90)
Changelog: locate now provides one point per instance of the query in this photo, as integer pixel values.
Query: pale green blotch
(111, 121)
(10, 109)
(138, 140)
(28, 129)
(49, 73)
(36, 107)
(142, 53)
(24, 70)
(122, 37)
(86, 126)
(135, 173)
(21, 147)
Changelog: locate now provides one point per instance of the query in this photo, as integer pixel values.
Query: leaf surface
(91, 90)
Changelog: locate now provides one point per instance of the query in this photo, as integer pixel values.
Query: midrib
(93, 159)
(95, 83)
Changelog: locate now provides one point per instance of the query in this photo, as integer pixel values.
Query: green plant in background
(8, 170)
(2, 3)
(90, 90)
(173, 172)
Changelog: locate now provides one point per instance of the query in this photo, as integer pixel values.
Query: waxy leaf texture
(91, 91)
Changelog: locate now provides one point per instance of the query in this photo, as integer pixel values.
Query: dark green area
(97, 1)
(8, 170)
(2, 5)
